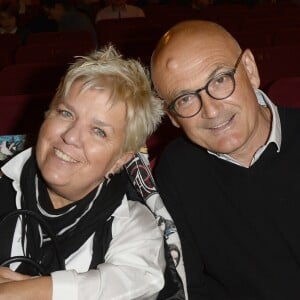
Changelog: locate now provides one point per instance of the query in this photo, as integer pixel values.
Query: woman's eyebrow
(101, 123)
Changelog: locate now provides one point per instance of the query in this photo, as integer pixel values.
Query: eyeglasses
(219, 87)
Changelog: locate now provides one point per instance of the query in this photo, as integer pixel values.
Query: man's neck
(258, 139)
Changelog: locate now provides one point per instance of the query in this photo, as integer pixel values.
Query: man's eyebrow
(216, 71)
(176, 93)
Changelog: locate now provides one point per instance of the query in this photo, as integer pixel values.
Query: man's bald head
(179, 45)
(199, 32)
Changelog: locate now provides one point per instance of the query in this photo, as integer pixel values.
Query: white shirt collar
(12, 168)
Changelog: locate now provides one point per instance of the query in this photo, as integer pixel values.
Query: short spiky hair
(129, 83)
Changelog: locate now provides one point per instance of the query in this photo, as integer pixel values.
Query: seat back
(39, 53)
(115, 30)
(9, 43)
(287, 36)
(73, 38)
(160, 138)
(285, 91)
(275, 62)
(23, 114)
(133, 37)
(32, 78)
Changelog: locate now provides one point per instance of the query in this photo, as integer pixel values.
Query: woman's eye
(100, 132)
(64, 113)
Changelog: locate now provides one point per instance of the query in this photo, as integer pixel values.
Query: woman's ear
(121, 161)
(251, 68)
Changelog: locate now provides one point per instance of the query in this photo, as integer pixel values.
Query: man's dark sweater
(239, 227)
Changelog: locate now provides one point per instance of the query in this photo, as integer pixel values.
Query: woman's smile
(65, 157)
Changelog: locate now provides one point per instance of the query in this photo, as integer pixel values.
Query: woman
(97, 242)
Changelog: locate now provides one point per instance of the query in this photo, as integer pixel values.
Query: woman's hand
(7, 275)
(16, 286)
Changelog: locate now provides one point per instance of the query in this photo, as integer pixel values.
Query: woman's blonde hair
(128, 82)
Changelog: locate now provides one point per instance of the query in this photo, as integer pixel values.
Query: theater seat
(165, 133)
(285, 92)
(45, 53)
(23, 114)
(73, 38)
(8, 46)
(30, 78)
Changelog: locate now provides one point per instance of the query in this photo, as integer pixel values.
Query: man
(118, 9)
(67, 17)
(9, 16)
(232, 184)
(8, 19)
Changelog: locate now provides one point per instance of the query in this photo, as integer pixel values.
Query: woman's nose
(72, 135)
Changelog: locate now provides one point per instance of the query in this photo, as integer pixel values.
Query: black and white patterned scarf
(71, 225)
(140, 175)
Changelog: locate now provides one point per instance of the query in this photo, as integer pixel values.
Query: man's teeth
(223, 124)
(220, 125)
(64, 156)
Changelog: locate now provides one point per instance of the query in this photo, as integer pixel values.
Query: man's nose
(210, 106)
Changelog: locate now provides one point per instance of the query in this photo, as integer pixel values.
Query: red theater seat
(23, 114)
(30, 78)
(60, 54)
(73, 38)
(286, 91)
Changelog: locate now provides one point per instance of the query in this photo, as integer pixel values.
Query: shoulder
(135, 217)
(140, 211)
(14, 166)
(290, 113)
(133, 7)
(74, 16)
(182, 144)
(5, 184)
(104, 10)
(7, 195)
(289, 119)
(133, 210)
(182, 151)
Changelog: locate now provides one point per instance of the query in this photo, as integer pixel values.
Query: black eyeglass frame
(231, 73)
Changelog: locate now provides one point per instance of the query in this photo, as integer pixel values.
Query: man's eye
(221, 79)
(100, 132)
(184, 100)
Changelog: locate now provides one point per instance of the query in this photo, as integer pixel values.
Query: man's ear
(173, 120)
(251, 68)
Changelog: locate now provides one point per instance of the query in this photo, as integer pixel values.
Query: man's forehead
(197, 39)
(178, 59)
(184, 72)
(194, 54)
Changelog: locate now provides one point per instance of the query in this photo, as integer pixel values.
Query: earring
(108, 176)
